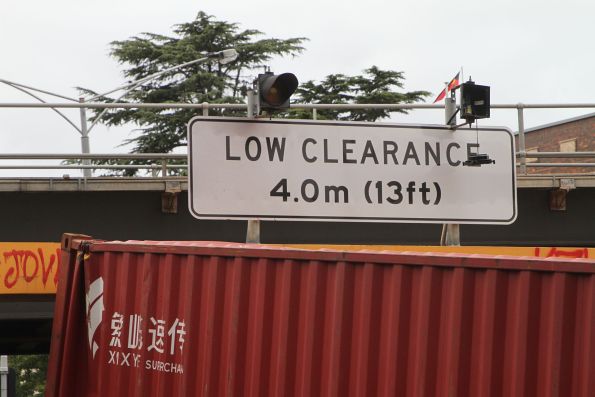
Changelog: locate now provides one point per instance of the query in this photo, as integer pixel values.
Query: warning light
(475, 101)
(274, 90)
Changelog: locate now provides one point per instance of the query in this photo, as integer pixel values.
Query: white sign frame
(236, 169)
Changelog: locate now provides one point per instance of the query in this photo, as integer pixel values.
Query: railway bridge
(36, 211)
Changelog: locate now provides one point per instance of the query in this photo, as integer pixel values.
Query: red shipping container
(225, 319)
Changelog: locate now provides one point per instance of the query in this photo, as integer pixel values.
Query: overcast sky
(530, 51)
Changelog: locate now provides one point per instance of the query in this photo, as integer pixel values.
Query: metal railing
(161, 161)
(549, 155)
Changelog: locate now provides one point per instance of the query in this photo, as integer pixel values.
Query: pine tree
(374, 86)
(163, 130)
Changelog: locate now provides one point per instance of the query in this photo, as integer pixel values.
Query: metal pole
(451, 232)
(522, 152)
(256, 102)
(87, 172)
(253, 227)
(154, 75)
(3, 376)
(163, 168)
(250, 102)
(450, 108)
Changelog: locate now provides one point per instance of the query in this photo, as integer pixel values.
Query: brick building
(576, 134)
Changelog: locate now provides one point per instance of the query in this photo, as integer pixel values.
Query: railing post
(164, 168)
(85, 146)
(314, 114)
(250, 102)
(522, 150)
(205, 108)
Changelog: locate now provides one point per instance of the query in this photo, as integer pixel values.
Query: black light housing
(274, 90)
(475, 101)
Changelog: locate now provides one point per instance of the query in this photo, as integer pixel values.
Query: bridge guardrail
(162, 161)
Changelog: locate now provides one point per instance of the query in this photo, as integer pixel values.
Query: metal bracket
(457, 126)
(173, 186)
(567, 184)
(557, 197)
(451, 234)
(169, 198)
(253, 231)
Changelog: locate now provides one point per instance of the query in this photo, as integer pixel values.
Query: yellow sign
(29, 268)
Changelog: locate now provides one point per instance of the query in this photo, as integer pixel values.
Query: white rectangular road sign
(346, 171)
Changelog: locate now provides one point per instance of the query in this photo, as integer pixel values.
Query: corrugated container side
(263, 321)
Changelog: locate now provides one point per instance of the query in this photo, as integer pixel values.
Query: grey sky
(527, 50)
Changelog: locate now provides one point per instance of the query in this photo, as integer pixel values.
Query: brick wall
(548, 140)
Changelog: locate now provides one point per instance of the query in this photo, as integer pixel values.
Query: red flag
(441, 95)
(454, 83)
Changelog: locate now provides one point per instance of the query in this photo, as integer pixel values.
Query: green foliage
(161, 131)
(30, 374)
(374, 86)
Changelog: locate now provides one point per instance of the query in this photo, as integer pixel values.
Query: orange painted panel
(538, 252)
(29, 268)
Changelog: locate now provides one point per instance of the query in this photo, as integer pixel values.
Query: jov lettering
(23, 268)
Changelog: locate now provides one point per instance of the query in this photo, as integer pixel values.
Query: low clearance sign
(346, 171)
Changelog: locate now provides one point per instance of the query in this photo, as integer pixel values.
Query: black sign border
(346, 218)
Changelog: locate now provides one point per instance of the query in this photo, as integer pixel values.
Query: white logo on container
(94, 305)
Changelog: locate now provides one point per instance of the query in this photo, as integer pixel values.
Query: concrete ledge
(553, 181)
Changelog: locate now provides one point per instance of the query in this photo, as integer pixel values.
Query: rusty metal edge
(70, 243)
(212, 248)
